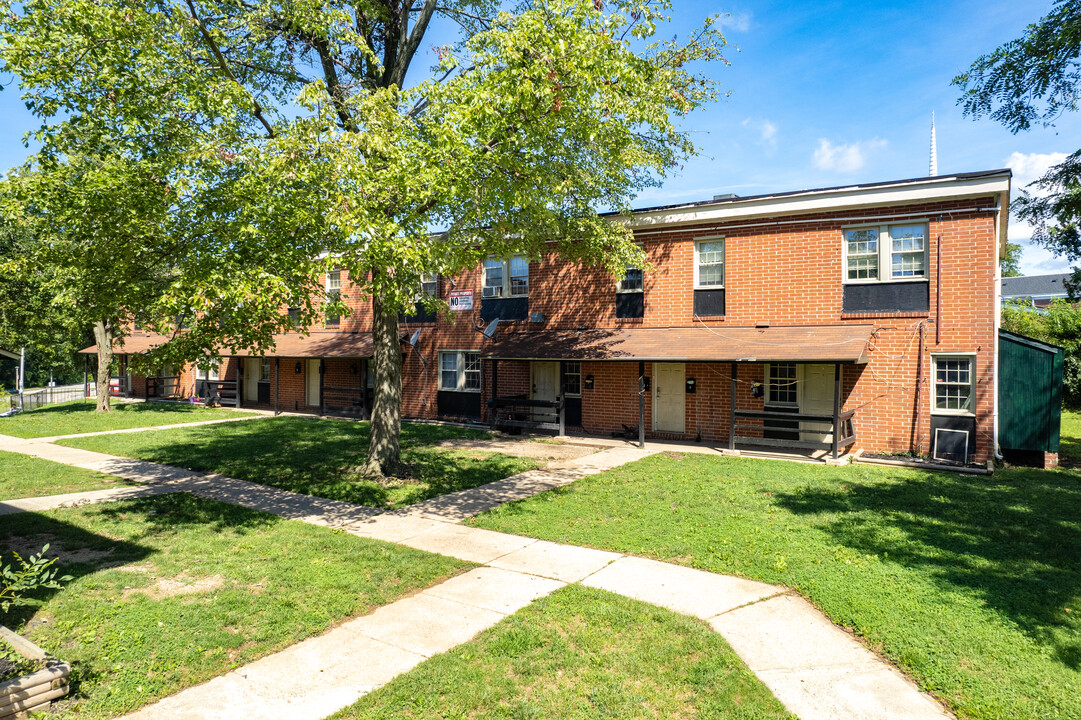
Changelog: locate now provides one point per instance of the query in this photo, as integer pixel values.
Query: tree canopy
(304, 134)
(1034, 79)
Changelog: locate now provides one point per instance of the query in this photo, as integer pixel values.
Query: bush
(1059, 325)
(24, 576)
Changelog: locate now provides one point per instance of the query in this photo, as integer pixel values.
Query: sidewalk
(813, 667)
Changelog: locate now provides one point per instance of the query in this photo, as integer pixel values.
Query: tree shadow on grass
(321, 457)
(1012, 539)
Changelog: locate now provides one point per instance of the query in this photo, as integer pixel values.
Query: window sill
(884, 314)
(953, 413)
(459, 390)
(885, 281)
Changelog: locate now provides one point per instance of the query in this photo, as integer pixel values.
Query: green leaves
(21, 576)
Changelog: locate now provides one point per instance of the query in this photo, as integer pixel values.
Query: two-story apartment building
(865, 313)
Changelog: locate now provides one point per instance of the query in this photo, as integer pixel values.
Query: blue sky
(827, 93)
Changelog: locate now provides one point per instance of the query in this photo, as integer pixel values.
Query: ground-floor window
(572, 378)
(781, 384)
(955, 384)
(459, 370)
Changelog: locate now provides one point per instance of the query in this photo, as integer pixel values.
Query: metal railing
(840, 431)
(166, 386)
(42, 397)
(217, 392)
(508, 412)
(345, 401)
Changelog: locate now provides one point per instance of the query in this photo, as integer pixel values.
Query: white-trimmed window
(429, 284)
(572, 378)
(334, 293)
(709, 263)
(506, 278)
(781, 384)
(954, 384)
(459, 370)
(885, 253)
(264, 369)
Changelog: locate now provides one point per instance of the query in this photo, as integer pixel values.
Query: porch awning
(799, 343)
(291, 345)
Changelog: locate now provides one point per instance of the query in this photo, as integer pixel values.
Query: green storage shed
(1029, 393)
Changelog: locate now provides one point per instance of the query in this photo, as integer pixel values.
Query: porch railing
(347, 401)
(528, 414)
(218, 392)
(165, 386)
(841, 429)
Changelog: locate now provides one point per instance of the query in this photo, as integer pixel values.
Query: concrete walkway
(817, 670)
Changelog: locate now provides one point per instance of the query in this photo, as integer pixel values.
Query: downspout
(917, 439)
(997, 452)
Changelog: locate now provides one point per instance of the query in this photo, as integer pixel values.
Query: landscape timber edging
(36, 691)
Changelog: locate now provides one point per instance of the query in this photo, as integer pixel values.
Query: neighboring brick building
(826, 302)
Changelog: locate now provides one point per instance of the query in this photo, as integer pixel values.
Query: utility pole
(22, 370)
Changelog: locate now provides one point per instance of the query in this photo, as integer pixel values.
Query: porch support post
(836, 406)
(641, 404)
(86, 376)
(277, 382)
(322, 374)
(239, 380)
(495, 392)
(732, 410)
(362, 378)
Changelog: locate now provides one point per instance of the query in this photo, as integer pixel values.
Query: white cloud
(1031, 167)
(846, 158)
(767, 131)
(739, 22)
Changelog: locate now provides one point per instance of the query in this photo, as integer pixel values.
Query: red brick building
(866, 313)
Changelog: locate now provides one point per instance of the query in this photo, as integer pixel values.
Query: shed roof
(801, 343)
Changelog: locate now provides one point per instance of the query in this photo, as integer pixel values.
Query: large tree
(1034, 79)
(532, 118)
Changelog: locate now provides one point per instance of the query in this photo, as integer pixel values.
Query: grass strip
(319, 457)
(173, 590)
(22, 476)
(971, 584)
(79, 416)
(575, 654)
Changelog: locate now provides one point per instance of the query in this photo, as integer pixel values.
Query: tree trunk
(383, 449)
(103, 336)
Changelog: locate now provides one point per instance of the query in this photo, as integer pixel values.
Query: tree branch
(408, 48)
(257, 108)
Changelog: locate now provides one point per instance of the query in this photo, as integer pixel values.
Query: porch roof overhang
(291, 345)
(799, 343)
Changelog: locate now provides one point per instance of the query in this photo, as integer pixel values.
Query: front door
(545, 387)
(251, 379)
(816, 398)
(669, 400)
(311, 383)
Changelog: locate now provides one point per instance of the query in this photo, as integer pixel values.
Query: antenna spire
(934, 148)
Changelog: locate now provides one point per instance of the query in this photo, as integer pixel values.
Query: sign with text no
(460, 300)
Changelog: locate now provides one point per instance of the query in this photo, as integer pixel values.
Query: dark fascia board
(7, 354)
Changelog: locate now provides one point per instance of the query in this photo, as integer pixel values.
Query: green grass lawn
(79, 417)
(971, 584)
(580, 653)
(22, 476)
(318, 457)
(1070, 439)
(173, 590)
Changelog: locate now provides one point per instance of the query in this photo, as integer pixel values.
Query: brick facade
(784, 265)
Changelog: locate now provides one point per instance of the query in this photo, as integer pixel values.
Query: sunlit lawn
(971, 584)
(173, 590)
(318, 457)
(580, 653)
(79, 416)
(22, 476)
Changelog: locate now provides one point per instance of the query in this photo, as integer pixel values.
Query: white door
(545, 379)
(816, 398)
(311, 383)
(251, 379)
(669, 401)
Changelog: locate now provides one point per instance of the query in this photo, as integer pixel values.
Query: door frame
(682, 393)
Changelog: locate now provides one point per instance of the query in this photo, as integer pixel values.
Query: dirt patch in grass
(28, 545)
(552, 452)
(181, 585)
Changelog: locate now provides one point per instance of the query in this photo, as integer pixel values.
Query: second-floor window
(334, 293)
(709, 263)
(506, 278)
(632, 280)
(886, 252)
(429, 284)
